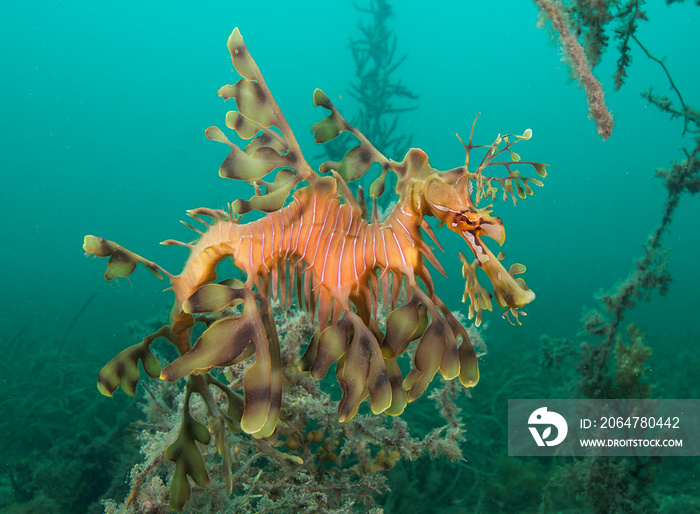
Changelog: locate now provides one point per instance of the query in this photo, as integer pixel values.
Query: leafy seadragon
(319, 240)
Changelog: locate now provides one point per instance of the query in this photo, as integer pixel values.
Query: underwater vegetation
(79, 93)
(581, 60)
(61, 451)
(381, 95)
(64, 448)
(364, 285)
(616, 366)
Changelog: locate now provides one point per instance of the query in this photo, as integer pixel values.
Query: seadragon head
(453, 197)
(448, 197)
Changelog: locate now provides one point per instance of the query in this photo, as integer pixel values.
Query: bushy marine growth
(327, 466)
(341, 260)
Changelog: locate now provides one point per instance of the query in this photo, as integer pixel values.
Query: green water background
(102, 120)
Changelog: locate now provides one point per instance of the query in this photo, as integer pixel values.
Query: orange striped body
(334, 247)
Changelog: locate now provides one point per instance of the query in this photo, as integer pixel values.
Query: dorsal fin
(362, 202)
(347, 194)
(192, 228)
(429, 230)
(173, 242)
(194, 216)
(216, 214)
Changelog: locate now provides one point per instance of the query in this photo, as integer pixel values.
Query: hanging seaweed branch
(582, 29)
(626, 17)
(615, 367)
(680, 178)
(651, 273)
(691, 118)
(598, 111)
(589, 20)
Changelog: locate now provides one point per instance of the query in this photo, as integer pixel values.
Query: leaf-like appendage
(358, 160)
(307, 359)
(220, 345)
(321, 99)
(188, 460)
(230, 340)
(468, 365)
(245, 128)
(122, 262)
(361, 372)
(376, 189)
(253, 101)
(262, 386)
(215, 134)
(329, 127)
(404, 324)
(273, 200)
(517, 269)
(124, 369)
(242, 61)
(430, 356)
(268, 138)
(512, 184)
(398, 395)
(216, 428)
(262, 155)
(326, 129)
(209, 298)
(541, 169)
(332, 344)
(284, 178)
(351, 167)
(479, 298)
(239, 165)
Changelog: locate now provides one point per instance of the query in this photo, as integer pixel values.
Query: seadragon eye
(469, 218)
(461, 220)
(464, 214)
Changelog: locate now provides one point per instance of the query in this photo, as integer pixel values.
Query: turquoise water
(102, 120)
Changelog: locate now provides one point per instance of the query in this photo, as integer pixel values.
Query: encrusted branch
(597, 109)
